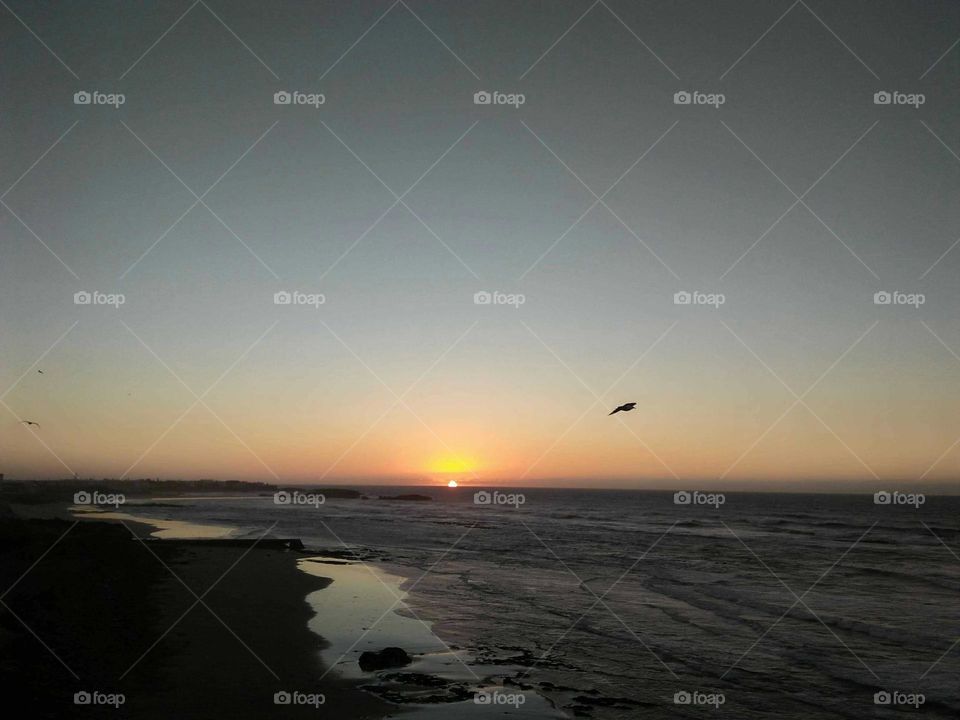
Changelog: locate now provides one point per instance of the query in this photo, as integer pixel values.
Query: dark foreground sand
(99, 600)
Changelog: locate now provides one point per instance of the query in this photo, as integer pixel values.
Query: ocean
(622, 604)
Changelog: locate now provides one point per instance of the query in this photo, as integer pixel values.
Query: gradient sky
(488, 393)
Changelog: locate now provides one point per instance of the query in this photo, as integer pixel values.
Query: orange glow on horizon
(451, 465)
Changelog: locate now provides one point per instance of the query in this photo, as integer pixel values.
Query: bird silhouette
(626, 407)
(40, 371)
(30, 422)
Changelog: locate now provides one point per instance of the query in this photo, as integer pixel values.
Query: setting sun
(452, 483)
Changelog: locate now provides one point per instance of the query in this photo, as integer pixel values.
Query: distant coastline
(36, 491)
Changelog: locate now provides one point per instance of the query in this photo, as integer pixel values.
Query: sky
(580, 202)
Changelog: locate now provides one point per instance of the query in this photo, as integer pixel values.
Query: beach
(697, 601)
(568, 604)
(103, 613)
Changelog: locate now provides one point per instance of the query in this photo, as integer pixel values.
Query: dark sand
(99, 600)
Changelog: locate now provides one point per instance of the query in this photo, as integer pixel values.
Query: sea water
(620, 604)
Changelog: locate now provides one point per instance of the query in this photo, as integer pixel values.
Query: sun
(450, 470)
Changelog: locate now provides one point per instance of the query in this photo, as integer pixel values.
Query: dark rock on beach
(389, 657)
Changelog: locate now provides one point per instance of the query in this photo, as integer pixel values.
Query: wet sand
(102, 612)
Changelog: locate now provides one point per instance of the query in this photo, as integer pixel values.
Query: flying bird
(626, 407)
(29, 422)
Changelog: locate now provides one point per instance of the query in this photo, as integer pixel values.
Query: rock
(387, 658)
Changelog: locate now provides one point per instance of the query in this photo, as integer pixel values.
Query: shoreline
(347, 606)
(224, 655)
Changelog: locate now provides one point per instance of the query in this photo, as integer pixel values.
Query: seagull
(626, 407)
(40, 371)
(28, 423)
